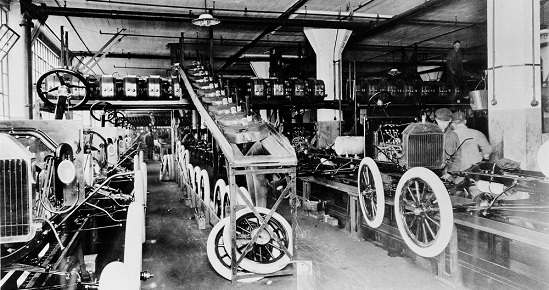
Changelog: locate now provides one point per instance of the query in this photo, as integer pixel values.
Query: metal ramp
(277, 156)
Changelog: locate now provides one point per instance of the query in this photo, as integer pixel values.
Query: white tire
(192, 183)
(218, 191)
(225, 201)
(133, 248)
(196, 185)
(423, 211)
(266, 255)
(370, 192)
(217, 255)
(114, 277)
(205, 186)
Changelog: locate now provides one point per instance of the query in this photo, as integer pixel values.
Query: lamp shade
(205, 20)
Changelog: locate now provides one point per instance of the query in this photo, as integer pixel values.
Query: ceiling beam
(282, 20)
(268, 30)
(390, 23)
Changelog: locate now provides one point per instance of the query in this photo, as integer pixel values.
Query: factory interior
(284, 144)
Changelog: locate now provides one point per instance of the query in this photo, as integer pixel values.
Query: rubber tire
(240, 200)
(446, 219)
(214, 244)
(133, 248)
(205, 187)
(225, 201)
(219, 188)
(380, 194)
(114, 277)
(261, 267)
(191, 176)
(197, 188)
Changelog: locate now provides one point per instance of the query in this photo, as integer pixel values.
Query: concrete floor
(175, 252)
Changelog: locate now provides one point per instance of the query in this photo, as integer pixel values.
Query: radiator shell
(16, 191)
(423, 145)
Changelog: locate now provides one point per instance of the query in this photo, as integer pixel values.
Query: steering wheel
(106, 108)
(120, 119)
(63, 82)
(380, 98)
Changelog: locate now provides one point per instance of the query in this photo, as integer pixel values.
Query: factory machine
(69, 195)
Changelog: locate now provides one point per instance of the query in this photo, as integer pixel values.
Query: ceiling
(386, 33)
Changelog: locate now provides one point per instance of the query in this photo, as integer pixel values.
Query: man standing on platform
(454, 63)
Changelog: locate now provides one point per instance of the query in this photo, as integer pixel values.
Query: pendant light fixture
(205, 19)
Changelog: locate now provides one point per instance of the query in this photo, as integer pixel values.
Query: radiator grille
(15, 219)
(425, 150)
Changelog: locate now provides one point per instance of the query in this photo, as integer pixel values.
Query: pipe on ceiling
(179, 17)
(306, 12)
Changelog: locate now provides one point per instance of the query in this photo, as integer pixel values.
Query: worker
(443, 117)
(454, 63)
(149, 142)
(475, 146)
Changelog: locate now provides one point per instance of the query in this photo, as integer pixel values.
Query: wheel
(225, 201)
(196, 185)
(186, 175)
(190, 175)
(205, 187)
(218, 256)
(370, 192)
(219, 188)
(120, 120)
(423, 212)
(240, 200)
(63, 82)
(171, 166)
(106, 109)
(114, 276)
(187, 157)
(133, 248)
(266, 255)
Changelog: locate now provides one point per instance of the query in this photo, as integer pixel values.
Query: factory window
(5, 103)
(43, 60)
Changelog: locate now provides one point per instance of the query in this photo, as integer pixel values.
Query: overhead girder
(178, 17)
(270, 28)
(359, 35)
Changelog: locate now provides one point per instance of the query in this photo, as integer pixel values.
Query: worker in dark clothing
(454, 63)
(149, 142)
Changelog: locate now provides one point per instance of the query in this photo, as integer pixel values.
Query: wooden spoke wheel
(423, 212)
(218, 192)
(205, 187)
(370, 192)
(266, 255)
(218, 256)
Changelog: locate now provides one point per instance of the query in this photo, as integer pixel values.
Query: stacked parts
(237, 126)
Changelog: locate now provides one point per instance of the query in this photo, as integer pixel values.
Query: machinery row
(132, 87)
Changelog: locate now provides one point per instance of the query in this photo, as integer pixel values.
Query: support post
(27, 25)
(328, 45)
(514, 80)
